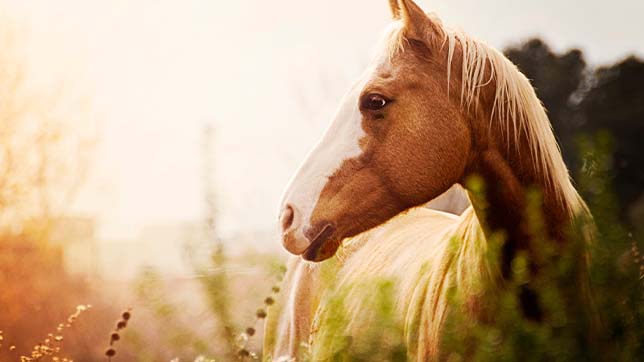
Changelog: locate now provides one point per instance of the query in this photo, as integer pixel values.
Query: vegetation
(607, 326)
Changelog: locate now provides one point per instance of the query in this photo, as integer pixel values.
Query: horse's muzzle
(306, 241)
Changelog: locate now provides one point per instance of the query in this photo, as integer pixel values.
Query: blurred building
(77, 238)
(174, 250)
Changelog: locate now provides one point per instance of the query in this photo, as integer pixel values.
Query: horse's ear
(395, 9)
(416, 22)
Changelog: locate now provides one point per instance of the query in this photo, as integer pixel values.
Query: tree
(585, 101)
(615, 102)
(45, 138)
(44, 144)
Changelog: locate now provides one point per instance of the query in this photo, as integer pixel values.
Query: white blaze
(339, 143)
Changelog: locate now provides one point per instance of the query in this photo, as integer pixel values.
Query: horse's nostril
(287, 217)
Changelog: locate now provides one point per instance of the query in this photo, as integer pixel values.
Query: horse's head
(397, 141)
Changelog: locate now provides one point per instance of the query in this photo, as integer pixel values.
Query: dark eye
(374, 102)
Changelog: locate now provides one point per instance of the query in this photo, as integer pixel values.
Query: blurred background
(143, 140)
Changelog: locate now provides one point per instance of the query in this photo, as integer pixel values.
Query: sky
(265, 75)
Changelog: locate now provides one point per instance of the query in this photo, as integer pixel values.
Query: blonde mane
(516, 107)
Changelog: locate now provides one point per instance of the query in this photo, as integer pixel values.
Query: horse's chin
(321, 250)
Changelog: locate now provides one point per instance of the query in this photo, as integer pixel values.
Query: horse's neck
(505, 156)
(508, 177)
(504, 208)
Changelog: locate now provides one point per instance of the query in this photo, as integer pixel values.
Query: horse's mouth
(320, 248)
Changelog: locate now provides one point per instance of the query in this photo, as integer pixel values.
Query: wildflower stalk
(51, 345)
(260, 315)
(115, 335)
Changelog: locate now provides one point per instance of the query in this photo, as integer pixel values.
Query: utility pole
(209, 190)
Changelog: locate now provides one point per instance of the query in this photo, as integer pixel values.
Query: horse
(433, 153)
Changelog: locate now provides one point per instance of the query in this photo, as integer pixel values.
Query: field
(137, 192)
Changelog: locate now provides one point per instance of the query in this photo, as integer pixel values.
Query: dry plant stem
(115, 336)
(51, 346)
(261, 314)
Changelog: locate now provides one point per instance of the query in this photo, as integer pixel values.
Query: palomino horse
(434, 107)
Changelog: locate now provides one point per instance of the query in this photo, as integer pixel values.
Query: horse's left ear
(416, 22)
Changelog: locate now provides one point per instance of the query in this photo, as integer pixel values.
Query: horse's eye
(374, 102)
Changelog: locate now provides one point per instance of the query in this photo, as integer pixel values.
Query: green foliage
(383, 337)
(175, 334)
(600, 322)
(217, 293)
(617, 284)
